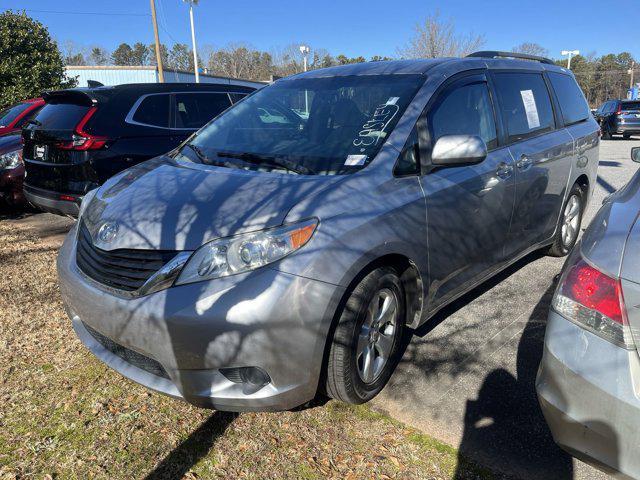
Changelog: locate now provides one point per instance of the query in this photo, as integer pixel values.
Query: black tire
(560, 247)
(344, 379)
(606, 134)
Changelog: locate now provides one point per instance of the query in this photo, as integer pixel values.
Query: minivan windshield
(325, 126)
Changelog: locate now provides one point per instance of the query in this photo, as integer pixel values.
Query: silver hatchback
(287, 246)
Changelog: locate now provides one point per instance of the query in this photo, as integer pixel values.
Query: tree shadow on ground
(504, 428)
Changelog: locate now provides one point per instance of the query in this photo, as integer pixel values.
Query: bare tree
(438, 38)
(531, 48)
(241, 61)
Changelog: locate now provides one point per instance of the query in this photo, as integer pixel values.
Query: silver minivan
(286, 246)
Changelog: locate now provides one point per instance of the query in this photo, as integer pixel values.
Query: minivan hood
(164, 204)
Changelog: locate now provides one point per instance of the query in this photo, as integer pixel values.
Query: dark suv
(83, 136)
(619, 117)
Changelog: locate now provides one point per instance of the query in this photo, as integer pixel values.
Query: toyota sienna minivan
(285, 247)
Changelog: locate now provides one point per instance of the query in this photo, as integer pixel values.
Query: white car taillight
(593, 300)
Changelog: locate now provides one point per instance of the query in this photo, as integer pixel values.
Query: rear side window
(525, 104)
(573, 106)
(28, 116)
(631, 106)
(193, 110)
(10, 114)
(153, 111)
(465, 110)
(60, 116)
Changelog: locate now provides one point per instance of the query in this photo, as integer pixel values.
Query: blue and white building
(117, 75)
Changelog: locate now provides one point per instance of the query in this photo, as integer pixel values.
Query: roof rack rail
(520, 56)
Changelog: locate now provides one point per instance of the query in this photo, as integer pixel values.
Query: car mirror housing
(635, 154)
(451, 150)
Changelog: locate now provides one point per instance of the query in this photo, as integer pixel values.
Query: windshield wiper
(208, 161)
(258, 159)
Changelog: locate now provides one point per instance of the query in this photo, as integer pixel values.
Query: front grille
(134, 358)
(124, 269)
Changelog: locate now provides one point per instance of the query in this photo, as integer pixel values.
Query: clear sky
(363, 27)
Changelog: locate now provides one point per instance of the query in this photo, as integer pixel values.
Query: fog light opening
(251, 378)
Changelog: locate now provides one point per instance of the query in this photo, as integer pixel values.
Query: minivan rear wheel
(366, 342)
(569, 224)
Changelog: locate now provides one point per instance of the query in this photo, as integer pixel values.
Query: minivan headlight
(228, 256)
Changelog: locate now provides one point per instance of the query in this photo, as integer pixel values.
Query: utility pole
(155, 34)
(193, 39)
(571, 53)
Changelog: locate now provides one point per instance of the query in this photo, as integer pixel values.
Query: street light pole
(193, 39)
(570, 53)
(304, 50)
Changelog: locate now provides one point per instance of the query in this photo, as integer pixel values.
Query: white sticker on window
(393, 100)
(530, 108)
(355, 160)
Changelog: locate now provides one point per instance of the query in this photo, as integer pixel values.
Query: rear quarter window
(60, 116)
(10, 114)
(153, 110)
(525, 104)
(573, 105)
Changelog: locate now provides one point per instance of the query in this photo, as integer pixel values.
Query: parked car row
(619, 117)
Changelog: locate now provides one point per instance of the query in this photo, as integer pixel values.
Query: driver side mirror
(452, 150)
(635, 154)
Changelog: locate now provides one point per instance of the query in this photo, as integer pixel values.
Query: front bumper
(589, 392)
(267, 319)
(51, 202)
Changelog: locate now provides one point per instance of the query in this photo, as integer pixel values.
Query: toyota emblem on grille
(108, 232)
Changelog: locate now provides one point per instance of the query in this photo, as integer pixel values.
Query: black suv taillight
(82, 140)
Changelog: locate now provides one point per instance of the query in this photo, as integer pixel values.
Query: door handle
(524, 163)
(504, 170)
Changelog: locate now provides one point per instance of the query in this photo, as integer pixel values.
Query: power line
(119, 14)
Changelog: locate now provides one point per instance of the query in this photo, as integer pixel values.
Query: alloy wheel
(571, 221)
(377, 335)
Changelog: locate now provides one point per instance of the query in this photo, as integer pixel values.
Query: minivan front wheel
(366, 342)
(570, 221)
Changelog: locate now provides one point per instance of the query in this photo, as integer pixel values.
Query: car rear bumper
(589, 392)
(51, 202)
(176, 341)
(629, 128)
